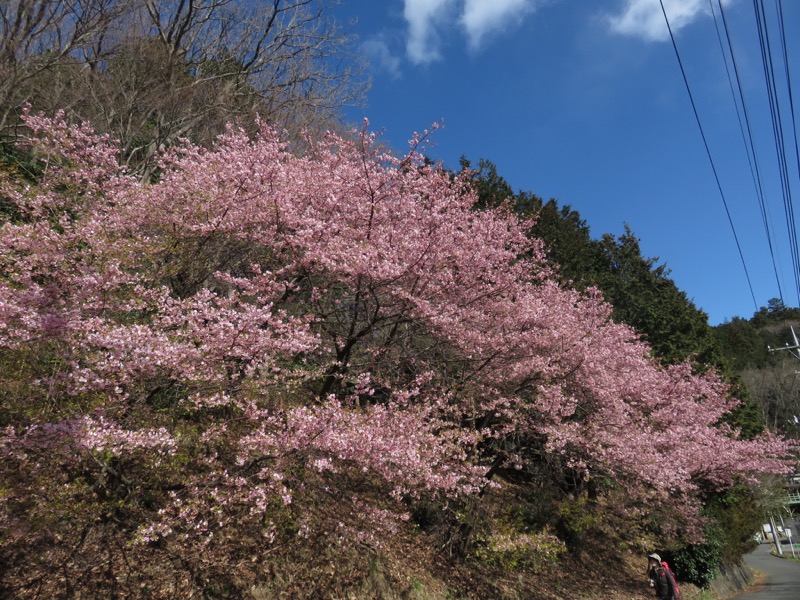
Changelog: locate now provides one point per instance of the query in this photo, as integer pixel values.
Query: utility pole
(775, 536)
(788, 532)
(794, 350)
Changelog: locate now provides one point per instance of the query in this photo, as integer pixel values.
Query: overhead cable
(747, 137)
(708, 153)
(787, 73)
(777, 131)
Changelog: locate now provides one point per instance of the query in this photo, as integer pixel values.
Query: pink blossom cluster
(346, 308)
(85, 434)
(408, 447)
(100, 435)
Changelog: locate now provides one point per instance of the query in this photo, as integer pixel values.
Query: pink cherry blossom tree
(263, 349)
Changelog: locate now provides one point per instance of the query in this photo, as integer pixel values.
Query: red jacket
(664, 583)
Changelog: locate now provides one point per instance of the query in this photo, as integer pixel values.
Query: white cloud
(645, 19)
(428, 19)
(423, 18)
(483, 17)
(380, 56)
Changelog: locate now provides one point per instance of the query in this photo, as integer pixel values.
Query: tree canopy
(196, 366)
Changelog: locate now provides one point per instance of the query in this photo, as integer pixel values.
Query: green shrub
(697, 563)
(512, 550)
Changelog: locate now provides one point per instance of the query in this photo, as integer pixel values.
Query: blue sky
(583, 101)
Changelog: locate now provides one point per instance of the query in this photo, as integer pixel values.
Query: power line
(777, 131)
(747, 138)
(708, 153)
(787, 73)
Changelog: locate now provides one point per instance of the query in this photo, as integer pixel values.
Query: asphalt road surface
(782, 576)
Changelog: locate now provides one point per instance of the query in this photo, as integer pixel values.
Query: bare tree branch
(153, 71)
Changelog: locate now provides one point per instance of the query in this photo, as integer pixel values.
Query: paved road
(783, 576)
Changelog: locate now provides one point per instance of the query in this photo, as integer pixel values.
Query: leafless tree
(39, 35)
(153, 71)
(776, 390)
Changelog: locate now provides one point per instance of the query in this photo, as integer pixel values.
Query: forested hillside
(248, 352)
(763, 351)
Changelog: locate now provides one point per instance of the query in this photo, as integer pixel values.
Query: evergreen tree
(646, 298)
